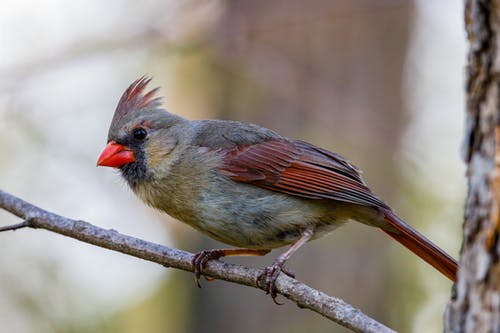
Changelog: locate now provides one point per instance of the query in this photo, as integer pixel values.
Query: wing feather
(298, 168)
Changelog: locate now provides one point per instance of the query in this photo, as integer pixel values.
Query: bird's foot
(200, 260)
(268, 278)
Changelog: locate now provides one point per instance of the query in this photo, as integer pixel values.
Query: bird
(245, 185)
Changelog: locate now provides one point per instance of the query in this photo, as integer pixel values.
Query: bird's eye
(139, 133)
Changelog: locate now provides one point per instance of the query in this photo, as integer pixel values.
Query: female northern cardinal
(245, 185)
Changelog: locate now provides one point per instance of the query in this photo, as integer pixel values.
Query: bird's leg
(201, 258)
(271, 273)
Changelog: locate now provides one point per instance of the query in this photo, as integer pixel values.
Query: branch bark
(304, 296)
(475, 303)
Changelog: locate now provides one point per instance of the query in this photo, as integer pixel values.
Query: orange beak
(115, 155)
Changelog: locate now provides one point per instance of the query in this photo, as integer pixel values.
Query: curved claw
(200, 260)
(288, 272)
(270, 275)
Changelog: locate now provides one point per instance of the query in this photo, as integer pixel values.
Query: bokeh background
(377, 81)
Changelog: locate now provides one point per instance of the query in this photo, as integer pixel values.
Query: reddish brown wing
(298, 168)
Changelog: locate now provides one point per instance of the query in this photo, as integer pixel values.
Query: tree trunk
(475, 303)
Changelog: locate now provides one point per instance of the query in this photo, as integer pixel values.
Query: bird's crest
(135, 98)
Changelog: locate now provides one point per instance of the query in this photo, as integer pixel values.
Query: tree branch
(304, 296)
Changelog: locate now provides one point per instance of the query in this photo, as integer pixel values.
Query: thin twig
(304, 296)
(21, 225)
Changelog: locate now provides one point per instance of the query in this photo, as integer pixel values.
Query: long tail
(420, 245)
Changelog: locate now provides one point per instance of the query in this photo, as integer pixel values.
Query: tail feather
(420, 245)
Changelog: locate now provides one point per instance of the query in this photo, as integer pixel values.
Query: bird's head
(140, 137)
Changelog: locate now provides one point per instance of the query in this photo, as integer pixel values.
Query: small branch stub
(13, 227)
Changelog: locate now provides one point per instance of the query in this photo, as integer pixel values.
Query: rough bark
(475, 303)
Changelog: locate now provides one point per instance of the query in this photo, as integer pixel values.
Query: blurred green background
(378, 81)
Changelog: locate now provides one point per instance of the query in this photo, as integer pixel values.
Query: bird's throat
(135, 172)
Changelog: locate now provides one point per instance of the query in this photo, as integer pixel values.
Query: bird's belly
(244, 215)
(258, 218)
